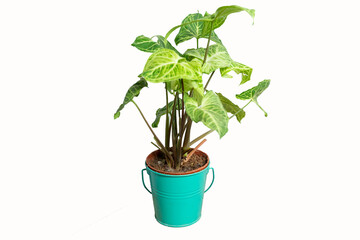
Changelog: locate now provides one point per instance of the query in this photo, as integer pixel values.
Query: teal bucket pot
(178, 198)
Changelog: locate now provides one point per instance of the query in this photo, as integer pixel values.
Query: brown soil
(157, 162)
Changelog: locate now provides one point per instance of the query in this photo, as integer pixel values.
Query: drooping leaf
(166, 44)
(237, 68)
(253, 93)
(145, 44)
(231, 107)
(219, 17)
(166, 65)
(217, 57)
(162, 111)
(193, 30)
(195, 53)
(210, 112)
(133, 91)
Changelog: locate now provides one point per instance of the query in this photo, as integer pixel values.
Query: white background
(69, 171)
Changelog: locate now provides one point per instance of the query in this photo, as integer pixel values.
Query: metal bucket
(178, 198)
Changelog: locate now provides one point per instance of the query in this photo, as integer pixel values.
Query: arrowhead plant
(186, 97)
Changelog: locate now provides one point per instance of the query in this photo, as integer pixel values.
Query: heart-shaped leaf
(133, 91)
(217, 57)
(193, 30)
(210, 112)
(253, 93)
(231, 107)
(145, 44)
(237, 68)
(166, 65)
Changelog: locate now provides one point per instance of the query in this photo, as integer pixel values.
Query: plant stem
(261, 108)
(199, 138)
(156, 138)
(197, 43)
(167, 136)
(187, 132)
(182, 125)
(155, 145)
(173, 126)
(208, 42)
(207, 83)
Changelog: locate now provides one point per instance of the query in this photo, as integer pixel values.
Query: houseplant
(177, 171)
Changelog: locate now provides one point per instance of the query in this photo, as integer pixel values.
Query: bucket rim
(178, 174)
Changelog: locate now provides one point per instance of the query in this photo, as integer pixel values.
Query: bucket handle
(213, 178)
(142, 177)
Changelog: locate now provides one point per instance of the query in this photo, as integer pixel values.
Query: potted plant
(177, 171)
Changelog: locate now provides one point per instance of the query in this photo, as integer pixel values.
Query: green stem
(156, 138)
(207, 83)
(167, 132)
(261, 108)
(197, 43)
(182, 125)
(173, 128)
(155, 145)
(208, 42)
(199, 138)
(187, 132)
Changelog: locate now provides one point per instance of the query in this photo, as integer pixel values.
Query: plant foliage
(187, 99)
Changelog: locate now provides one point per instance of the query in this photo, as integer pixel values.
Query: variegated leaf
(210, 112)
(162, 111)
(217, 57)
(133, 91)
(166, 65)
(237, 68)
(231, 107)
(219, 17)
(145, 44)
(193, 30)
(253, 93)
(166, 44)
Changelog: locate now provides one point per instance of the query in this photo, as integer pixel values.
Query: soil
(158, 162)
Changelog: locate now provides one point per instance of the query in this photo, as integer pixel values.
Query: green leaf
(213, 21)
(217, 57)
(166, 44)
(231, 107)
(210, 112)
(193, 30)
(145, 44)
(162, 111)
(220, 16)
(133, 91)
(253, 93)
(237, 68)
(166, 65)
